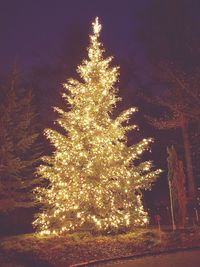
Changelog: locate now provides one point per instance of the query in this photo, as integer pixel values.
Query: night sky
(37, 33)
(34, 32)
(48, 39)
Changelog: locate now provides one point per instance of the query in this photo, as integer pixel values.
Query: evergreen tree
(18, 149)
(93, 181)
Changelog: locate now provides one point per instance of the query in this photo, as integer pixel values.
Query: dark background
(47, 39)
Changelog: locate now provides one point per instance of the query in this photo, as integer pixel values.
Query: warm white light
(92, 177)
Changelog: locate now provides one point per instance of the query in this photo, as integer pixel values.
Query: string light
(92, 178)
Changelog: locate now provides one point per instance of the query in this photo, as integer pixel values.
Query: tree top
(96, 26)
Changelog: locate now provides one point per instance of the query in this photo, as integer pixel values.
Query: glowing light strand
(93, 182)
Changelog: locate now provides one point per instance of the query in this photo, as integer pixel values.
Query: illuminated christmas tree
(93, 182)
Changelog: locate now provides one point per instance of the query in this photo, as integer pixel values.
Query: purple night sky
(34, 32)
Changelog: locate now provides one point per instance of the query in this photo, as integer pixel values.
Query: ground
(32, 250)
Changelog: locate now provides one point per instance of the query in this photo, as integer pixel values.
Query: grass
(32, 250)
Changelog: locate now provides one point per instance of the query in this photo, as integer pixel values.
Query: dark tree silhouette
(19, 151)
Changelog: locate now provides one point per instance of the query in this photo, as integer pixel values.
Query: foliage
(94, 184)
(181, 102)
(19, 152)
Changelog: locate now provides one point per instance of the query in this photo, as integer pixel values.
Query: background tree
(19, 151)
(169, 33)
(93, 181)
(181, 102)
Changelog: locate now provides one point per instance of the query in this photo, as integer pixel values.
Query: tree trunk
(182, 199)
(188, 161)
